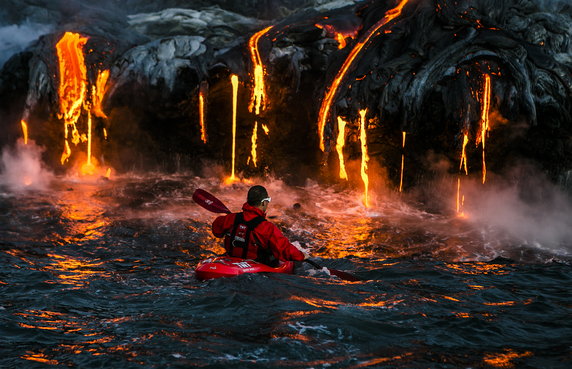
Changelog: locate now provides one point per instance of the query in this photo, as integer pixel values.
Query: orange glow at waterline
(258, 99)
(341, 141)
(24, 131)
(333, 89)
(364, 156)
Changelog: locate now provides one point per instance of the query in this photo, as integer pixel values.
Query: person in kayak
(249, 235)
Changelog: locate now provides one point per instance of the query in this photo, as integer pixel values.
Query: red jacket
(266, 236)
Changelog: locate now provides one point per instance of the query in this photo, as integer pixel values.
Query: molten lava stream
(24, 131)
(485, 126)
(73, 84)
(364, 156)
(460, 200)
(202, 120)
(341, 141)
(254, 138)
(234, 81)
(258, 99)
(333, 89)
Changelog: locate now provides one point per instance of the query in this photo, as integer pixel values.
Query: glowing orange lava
(339, 36)
(234, 81)
(258, 99)
(463, 164)
(73, 84)
(98, 92)
(340, 146)
(402, 162)
(88, 168)
(202, 120)
(254, 138)
(333, 89)
(24, 131)
(485, 126)
(364, 156)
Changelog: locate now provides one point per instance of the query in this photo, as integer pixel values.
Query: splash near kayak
(225, 266)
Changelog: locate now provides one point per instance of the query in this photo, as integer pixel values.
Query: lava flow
(339, 36)
(333, 89)
(73, 85)
(234, 82)
(340, 146)
(202, 119)
(364, 156)
(485, 124)
(24, 131)
(258, 99)
(463, 165)
(254, 138)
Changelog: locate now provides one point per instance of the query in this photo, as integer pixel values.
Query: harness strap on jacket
(250, 226)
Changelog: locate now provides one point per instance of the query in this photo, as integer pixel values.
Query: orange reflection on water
(504, 359)
(317, 302)
(75, 271)
(48, 320)
(380, 360)
(451, 298)
(83, 214)
(380, 302)
(39, 357)
(502, 303)
(478, 268)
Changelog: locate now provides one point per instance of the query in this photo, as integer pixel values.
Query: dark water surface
(100, 275)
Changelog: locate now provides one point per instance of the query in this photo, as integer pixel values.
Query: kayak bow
(226, 266)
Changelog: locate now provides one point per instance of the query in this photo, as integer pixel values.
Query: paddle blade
(209, 202)
(343, 275)
(338, 273)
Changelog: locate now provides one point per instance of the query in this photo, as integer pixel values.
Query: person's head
(258, 197)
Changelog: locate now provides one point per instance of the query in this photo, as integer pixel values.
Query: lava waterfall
(338, 90)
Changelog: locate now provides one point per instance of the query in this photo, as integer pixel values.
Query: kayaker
(249, 235)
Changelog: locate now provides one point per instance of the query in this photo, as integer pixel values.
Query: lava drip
(340, 143)
(485, 123)
(402, 162)
(364, 156)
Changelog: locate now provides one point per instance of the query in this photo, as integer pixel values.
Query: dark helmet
(256, 194)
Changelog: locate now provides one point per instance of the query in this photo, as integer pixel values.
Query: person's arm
(220, 225)
(281, 246)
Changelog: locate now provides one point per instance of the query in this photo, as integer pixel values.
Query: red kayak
(226, 266)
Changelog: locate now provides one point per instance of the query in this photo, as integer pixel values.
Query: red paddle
(211, 203)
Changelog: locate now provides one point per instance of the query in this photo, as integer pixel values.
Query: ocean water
(99, 274)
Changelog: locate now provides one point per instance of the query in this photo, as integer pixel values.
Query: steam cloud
(15, 38)
(22, 168)
(530, 211)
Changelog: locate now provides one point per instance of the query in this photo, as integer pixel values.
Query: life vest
(239, 242)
